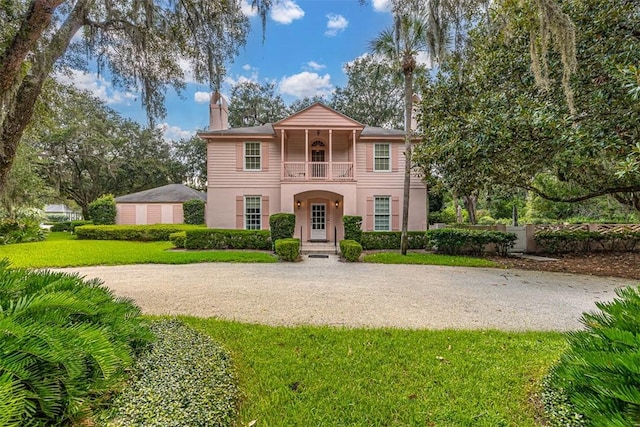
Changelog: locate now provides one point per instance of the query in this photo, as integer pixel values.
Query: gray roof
(374, 131)
(266, 129)
(172, 193)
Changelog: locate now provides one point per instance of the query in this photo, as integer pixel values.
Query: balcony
(317, 171)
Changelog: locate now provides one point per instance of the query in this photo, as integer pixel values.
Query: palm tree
(401, 45)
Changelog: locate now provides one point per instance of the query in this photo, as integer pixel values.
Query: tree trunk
(470, 203)
(408, 107)
(18, 103)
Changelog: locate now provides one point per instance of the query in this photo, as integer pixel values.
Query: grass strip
(63, 250)
(428, 259)
(382, 377)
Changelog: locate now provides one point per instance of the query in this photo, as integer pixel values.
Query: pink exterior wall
(148, 213)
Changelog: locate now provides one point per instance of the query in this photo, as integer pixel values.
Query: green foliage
(102, 211)
(282, 226)
(444, 217)
(583, 241)
(178, 238)
(20, 231)
(350, 250)
(460, 240)
(288, 249)
(65, 342)
(69, 225)
(139, 233)
(599, 372)
(228, 239)
(184, 379)
(193, 212)
(352, 227)
(375, 240)
(255, 104)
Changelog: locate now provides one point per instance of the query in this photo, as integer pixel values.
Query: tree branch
(612, 191)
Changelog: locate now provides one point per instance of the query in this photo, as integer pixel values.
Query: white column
(353, 141)
(330, 154)
(282, 154)
(306, 154)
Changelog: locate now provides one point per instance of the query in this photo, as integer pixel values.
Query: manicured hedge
(282, 226)
(185, 380)
(103, 210)
(352, 227)
(375, 240)
(288, 249)
(193, 212)
(139, 233)
(211, 238)
(69, 225)
(178, 239)
(350, 250)
(460, 240)
(585, 241)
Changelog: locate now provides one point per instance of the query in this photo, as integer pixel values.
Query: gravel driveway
(329, 292)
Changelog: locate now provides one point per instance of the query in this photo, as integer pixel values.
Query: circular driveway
(328, 292)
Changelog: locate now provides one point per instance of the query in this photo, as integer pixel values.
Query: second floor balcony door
(318, 164)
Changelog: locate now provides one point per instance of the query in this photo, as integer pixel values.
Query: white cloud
(306, 84)
(201, 97)
(382, 5)
(286, 11)
(315, 66)
(187, 69)
(174, 133)
(246, 67)
(335, 24)
(246, 8)
(97, 86)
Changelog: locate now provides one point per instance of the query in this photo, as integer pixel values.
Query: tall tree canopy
(141, 42)
(486, 122)
(255, 104)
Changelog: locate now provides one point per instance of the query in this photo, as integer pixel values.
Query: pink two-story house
(317, 164)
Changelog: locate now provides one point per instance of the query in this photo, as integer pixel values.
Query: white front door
(318, 221)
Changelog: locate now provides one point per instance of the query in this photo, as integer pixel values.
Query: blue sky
(306, 45)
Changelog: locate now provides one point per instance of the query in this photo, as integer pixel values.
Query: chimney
(218, 112)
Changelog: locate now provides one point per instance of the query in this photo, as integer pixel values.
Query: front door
(318, 221)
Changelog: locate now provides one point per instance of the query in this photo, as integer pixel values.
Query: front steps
(318, 248)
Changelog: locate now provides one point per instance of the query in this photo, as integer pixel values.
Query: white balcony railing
(317, 171)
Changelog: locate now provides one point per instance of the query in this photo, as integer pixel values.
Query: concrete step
(318, 248)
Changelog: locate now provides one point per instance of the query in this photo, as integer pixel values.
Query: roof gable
(318, 115)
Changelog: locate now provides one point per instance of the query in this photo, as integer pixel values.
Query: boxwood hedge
(350, 250)
(373, 240)
(140, 233)
(212, 238)
(288, 249)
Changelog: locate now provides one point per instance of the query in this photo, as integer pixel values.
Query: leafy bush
(461, 240)
(375, 240)
(350, 250)
(282, 226)
(178, 239)
(139, 233)
(599, 372)
(193, 211)
(352, 227)
(585, 241)
(184, 380)
(445, 217)
(65, 341)
(288, 249)
(103, 210)
(69, 225)
(210, 238)
(20, 231)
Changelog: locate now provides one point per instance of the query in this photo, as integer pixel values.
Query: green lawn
(64, 250)
(320, 376)
(430, 259)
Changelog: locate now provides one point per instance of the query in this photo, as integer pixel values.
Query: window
(382, 213)
(381, 157)
(252, 161)
(252, 212)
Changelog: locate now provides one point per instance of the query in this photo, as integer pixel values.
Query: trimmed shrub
(282, 226)
(178, 239)
(445, 217)
(102, 211)
(352, 227)
(288, 249)
(210, 238)
(185, 379)
(599, 372)
(65, 343)
(69, 225)
(139, 233)
(20, 231)
(193, 211)
(376, 240)
(461, 240)
(350, 250)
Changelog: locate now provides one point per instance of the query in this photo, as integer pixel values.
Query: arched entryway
(319, 216)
